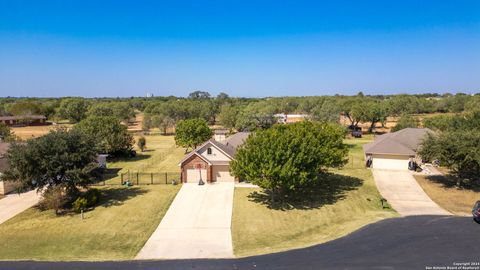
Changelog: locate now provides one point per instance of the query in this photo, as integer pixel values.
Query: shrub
(53, 198)
(79, 204)
(92, 196)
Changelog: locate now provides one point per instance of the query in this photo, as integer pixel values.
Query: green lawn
(353, 203)
(160, 156)
(115, 230)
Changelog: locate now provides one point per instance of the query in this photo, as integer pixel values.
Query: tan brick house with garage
(393, 151)
(211, 160)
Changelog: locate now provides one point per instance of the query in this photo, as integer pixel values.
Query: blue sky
(243, 48)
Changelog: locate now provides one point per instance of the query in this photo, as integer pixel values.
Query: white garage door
(193, 175)
(390, 163)
(222, 174)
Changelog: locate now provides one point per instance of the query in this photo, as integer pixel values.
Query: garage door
(222, 174)
(193, 175)
(398, 163)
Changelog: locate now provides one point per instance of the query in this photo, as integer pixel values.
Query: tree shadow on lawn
(332, 188)
(118, 195)
(450, 181)
(138, 157)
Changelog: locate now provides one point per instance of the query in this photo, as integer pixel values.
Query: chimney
(220, 135)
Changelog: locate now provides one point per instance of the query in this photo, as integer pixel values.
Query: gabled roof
(228, 147)
(403, 142)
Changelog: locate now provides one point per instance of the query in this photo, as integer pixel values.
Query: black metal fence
(138, 178)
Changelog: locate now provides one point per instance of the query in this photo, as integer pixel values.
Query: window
(209, 151)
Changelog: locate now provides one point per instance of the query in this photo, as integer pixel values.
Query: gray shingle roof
(402, 142)
(229, 146)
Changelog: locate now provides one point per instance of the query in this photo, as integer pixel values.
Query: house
(5, 187)
(211, 160)
(394, 150)
(290, 118)
(24, 120)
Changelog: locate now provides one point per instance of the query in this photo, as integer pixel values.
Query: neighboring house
(394, 150)
(5, 187)
(24, 120)
(291, 118)
(211, 160)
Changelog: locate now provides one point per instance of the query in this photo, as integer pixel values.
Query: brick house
(211, 160)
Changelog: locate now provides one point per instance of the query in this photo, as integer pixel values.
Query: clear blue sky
(244, 48)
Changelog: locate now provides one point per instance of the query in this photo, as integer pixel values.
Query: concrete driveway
(404, 194)
(197, 225)
(14, 204)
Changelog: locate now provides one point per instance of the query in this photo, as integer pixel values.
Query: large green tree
(110, 136)
(73, 109)
(192, 132)
(60, 158)
(285, 158)
(406, 121)
(457, 150)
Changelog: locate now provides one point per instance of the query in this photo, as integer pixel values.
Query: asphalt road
(416, 242)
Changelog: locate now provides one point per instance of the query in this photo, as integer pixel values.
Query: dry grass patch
(443, 191)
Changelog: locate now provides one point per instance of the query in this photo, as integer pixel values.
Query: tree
(327, 111)
(25, 108)
(457, 150)
(73, 109)
(142, 143)
(406, 121)
(368, 110)
(192, 132)
(285, 158)
(222, 96)
(199, 95)
(6, 134)
(60, 158)
(228, 115)
(258, 115)
(120, 110)
(110, 136)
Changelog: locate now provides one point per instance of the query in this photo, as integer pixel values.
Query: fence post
(166, 180)
(151, 178)
(121, 178)
(137, 179)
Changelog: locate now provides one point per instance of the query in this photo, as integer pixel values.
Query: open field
(443, 191)
(352, 203)
(115, 230)
(30, 132)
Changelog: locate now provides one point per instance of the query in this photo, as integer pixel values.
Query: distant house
(394, 150)
(24, 120)
(211, 160)
(290, 118)
(5, 187)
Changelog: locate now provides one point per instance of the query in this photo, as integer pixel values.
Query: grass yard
(161, 155)
(353, 203)
(30, 132)
(442, 190)
(115, 230)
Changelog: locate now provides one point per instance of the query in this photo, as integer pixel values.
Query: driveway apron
(404, 194)
(197, 225)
